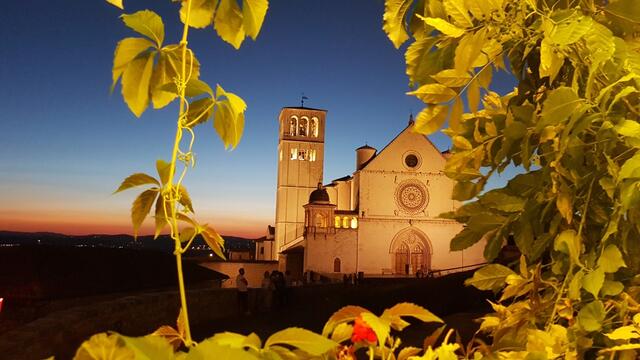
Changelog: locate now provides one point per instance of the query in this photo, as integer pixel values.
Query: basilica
(380, 220)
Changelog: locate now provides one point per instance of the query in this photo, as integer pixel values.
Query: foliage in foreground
(572, 127)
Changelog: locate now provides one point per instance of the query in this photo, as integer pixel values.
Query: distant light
(210, 254)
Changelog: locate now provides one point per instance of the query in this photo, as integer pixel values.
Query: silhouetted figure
(266, 292)
(243, 292)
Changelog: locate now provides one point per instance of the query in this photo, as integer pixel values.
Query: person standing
(266, 292)
(243, 292)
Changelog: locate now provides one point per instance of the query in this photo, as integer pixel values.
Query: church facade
(381, 219)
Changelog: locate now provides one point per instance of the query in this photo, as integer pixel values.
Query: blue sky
(66, 143)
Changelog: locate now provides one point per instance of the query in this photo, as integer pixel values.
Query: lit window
(312, 155)
(280, 155)
(294, 154)
(345, 222)
(293, 126)
(336, 265)
(338, 221)
(313, 131)
(354, 223)
(302, 154)
(303, 126)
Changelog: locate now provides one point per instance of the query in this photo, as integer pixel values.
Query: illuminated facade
(382, 219)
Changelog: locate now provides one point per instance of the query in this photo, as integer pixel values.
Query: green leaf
(136, 179)
(126, 50)
(380, 326)
(210, 349)
(116, 3)
(160, 217)
(575, 285)
(345, 314)
(611, 259)
(590, 317)
(433, 93)
(490, 277)
(551, 60)
(568, 242)
(342, 332)
(149, 347)
(630, 168)
(558, 106)
(624, 9)
(611, 288)
(599, 41)
(569, 32)
(409, 309)
(457, 10)
(408, 351)
(624, 333)
(443, 26)
(229, 23)
(305, 340)
(135, 83)
(497, 199)
(464, 239)
(465, 190)
(430, 119)
(141, 207)
(460, 142)
(393, 20)
(163, 169)
(147, 23)
(231, 339)
(593, 281)
(253, 13)
(201, 14)
(421, 61)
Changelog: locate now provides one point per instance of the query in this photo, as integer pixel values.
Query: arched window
(293, 126)
(336, 265)
(354, 222)
(313, 130)
(338, 222)
(346, 222)
(320, 221)
(303, 126)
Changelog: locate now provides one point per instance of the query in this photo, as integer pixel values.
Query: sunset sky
(66, 143)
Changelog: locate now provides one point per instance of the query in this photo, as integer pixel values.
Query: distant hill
(122, 241)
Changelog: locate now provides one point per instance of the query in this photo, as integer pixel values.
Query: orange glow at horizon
(78, 223)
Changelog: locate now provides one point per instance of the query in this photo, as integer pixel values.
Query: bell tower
(300, 168)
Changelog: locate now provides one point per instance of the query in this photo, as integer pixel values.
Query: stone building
(382, 219)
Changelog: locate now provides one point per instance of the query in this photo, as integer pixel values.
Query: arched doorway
(410, 252)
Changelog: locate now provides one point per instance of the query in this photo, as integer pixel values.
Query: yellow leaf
(456, 115)
(452, 78)
(141, 207)
(228, 23)
(380, 326)
(419, 60)
(147, 23)
(462, 143)
(490, 128)
(485, 76)
(201, 14)
(343, 315)
(570, 31)
(457, 10)
(433, 93)
(564, 202)
(199, 112)
(99, 345)
(393, 20)
(163, 168)
(430, 119)
(162, 75)
(170, 334)
(126, 50)
(229, 117)
(187, 234)
(568, 242)
(305, 340)
(468, 50)
(253, 13)
(214, 240)
(624, 333)
(160, 216)
(473, 95)
(136, 179)
(135, 83)
(551, 60)
(184, 198)
(443, 26)
(116, 3)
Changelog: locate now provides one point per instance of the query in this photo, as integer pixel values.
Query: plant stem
(174, 190)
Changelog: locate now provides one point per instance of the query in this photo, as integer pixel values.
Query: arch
(313, 127)
(336, 265)
(303, 126)
(410, 251)
(293, 125)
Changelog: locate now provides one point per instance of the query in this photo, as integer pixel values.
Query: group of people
(274, 290)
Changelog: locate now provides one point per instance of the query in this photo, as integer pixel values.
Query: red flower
(363, 332)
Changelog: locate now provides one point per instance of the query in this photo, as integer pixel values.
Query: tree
(573, 126)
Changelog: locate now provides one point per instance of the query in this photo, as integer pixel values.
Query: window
(354, 223)
(302, 154)
(411, 160)
(293, 126)
(313, 130)
(345, 222)
(338, 221)
(336, 265)
(294, 154)
(261, 250)
(312, 155)
(319, 221)
(303, 126)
